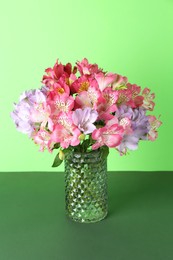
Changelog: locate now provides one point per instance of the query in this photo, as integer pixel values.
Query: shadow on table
(130, 190)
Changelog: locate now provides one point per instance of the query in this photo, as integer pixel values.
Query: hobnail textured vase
(86, 195)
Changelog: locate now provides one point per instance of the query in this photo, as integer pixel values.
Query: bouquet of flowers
(83, 108)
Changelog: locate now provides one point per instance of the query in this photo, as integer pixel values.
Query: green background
(132, 38)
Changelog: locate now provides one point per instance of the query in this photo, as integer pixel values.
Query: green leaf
(57, 161)
(67, 150)
(105, 151)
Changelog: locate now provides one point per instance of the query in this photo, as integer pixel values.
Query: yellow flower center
(60, 90)
(84, 86)
(67, 81)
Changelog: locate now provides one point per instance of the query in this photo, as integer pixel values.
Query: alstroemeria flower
(124, 96)
(84, 119)
(85, 100)
(85, 68)
(126, 124)
(148, 99)
(65, 132)
(128, 142)
(104, 80)
(139, 125)
(136, 99)
(32, 112)
(130, 96)
(119, 82)
(21, 118)
(110, 136)
(43, 138)
(65, 136)
(108, 104)
(138, 118)
(89, 98)
(57, 73)
(40, 113)
(80, 84)
(60, 103)
(39, 110)
(154, 125)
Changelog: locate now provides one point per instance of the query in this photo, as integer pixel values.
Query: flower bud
(81, 137)
(61, 155)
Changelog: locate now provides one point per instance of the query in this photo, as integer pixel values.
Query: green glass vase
(86, 196)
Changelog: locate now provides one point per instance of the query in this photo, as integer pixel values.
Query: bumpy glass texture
(86, 186)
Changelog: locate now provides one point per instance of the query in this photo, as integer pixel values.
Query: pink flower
(104, 80)
(108, 104)
(89, 98)
(39, 110)
(130, 96)
(154, 125)
(80, 84)
(110, 136)
(84, 99)
(65, 137)
(126, 124)
(136, 99)
(40, 113)
(148, 99)
(124, 96)
(119, 82)
(85, 68)
(65, 132)
(56, 73)
(43, 138)
(60, 103)
(60, 88)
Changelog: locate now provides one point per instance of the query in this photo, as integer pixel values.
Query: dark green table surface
(139, 226)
